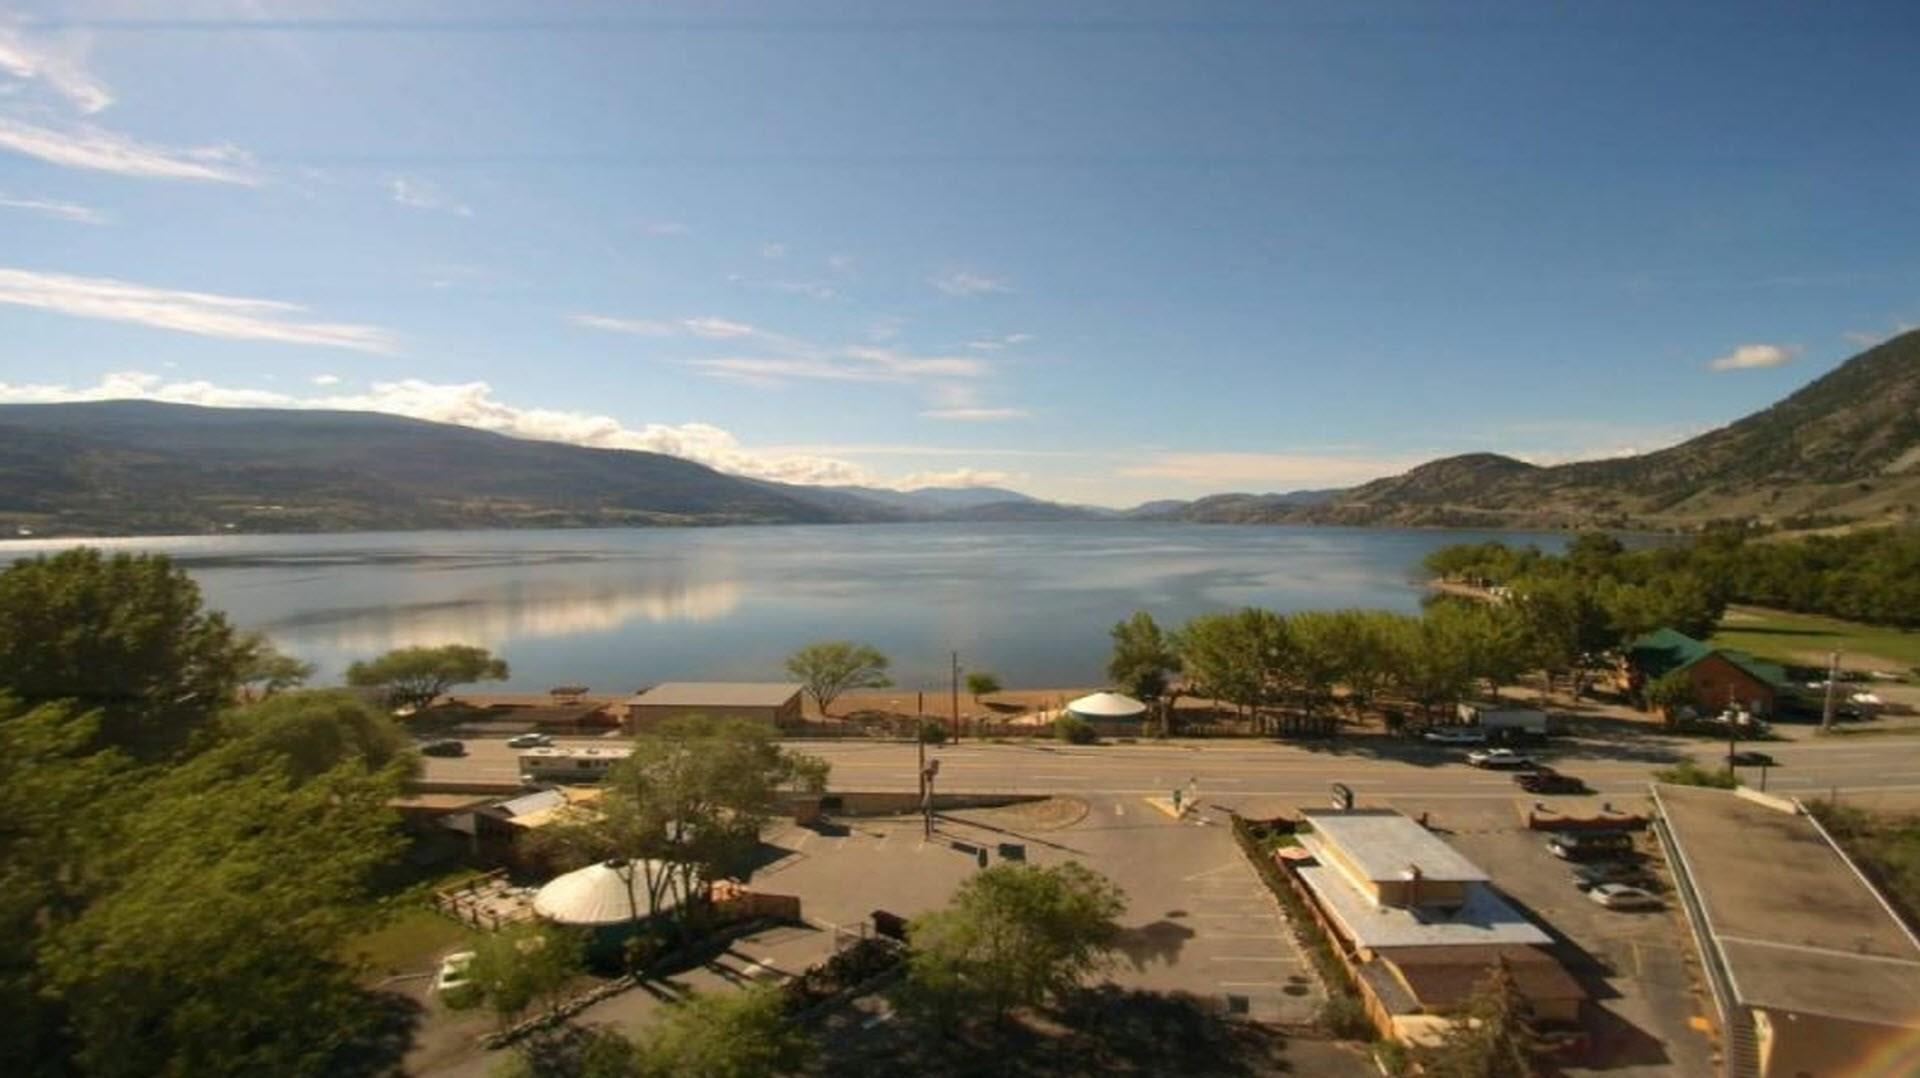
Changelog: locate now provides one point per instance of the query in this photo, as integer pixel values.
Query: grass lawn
(1805, 639)
(411, 942)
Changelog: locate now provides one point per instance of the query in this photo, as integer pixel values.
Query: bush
(1074, 730)
(1344, 1017)
(1688, 773)
(933, 732)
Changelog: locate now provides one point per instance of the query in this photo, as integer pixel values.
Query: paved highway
(1233, 772)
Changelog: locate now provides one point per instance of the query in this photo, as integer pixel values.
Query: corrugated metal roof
(1382, 843)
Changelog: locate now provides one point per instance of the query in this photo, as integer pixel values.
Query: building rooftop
(717, 694)
(1484, 918)
(1796, 927)
(1444, 978)
(1383, 843)
(1666, 650)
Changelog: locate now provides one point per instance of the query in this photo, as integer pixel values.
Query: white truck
(1499, 717)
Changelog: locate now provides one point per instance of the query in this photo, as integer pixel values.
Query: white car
(1500, 758)
(1624, 896)
(453, 971)
(1455, 735)
(529, 741)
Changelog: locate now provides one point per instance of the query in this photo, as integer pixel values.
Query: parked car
(1589, 845)
(529, 741)
(1546, 780)
(453, 971)
(1587, 877)
(1624, 896)
(1749, 758)
(1455, 735)
(444, 747)
(1502, 759)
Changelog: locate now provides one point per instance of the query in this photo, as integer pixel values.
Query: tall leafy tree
(829, 668)
(266, 670)
(124, 637)
(1239, 657)
(735, 1034)
(412, 678)
(312, 733)
(217, 907)
(687, 807)
(1493, 1038)
(980, 683)
(1145, 659)
(520, 967)
(1014, 935)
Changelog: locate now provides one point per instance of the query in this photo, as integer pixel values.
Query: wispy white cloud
(326, 379)
(995, 344)
(963, 283)
(1750, 356)
(416, 193)
(793, 358)
(65, 211)
(976, 415)
(819, 290)
(840, 263)
(204, 313)
(56, 63)
(639, 327)
(773, 250)
(665, 228)
(1869, 338)
(957, 477)
(89, 147)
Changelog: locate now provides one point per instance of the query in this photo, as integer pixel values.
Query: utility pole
(1833, 684)
(956, 698)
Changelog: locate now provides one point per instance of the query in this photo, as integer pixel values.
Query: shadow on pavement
(1157, 942)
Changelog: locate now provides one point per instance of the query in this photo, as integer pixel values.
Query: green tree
(831, 667)
(571, 1051)
(315, 732)
(1145, 659)
(736, 1034)
(1074, 730)
(1494, 1036)
(1670, 693)
(412, 678)
(265, 670)
(1014, 935)
(980, 683)
(1433, 661)
(216, 905)
(1238, 657)
(125, 638)
(519, 967)
(687, 807)
(1688, 773)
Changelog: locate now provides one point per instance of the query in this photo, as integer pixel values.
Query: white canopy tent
(599, 894)
(1107, 705)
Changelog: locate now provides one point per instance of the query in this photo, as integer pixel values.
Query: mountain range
(1843, 449)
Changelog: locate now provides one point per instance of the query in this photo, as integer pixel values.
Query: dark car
(444, 747)
(1749, 758)
(1590, 845)
(1548, 781)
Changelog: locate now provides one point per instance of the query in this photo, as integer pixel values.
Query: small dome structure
(1107, 705)
(607, 893)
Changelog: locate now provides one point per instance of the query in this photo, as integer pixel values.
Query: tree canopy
(1014, 935)
(122, 636)
(1492, 1038)
(829, 668)
(688, 806)
(981, 683)
(412, 678)
(1145, 659)
(733, 1034)
(265, 670)
(314, 732)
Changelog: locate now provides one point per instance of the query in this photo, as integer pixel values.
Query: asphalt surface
(1252, 773)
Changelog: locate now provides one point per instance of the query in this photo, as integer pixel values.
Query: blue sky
(1099, 252)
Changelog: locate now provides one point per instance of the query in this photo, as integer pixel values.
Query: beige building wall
(1793, 1045)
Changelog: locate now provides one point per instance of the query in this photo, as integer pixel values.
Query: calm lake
(618, 609)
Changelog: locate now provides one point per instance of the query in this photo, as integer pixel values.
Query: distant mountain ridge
(1843, 448)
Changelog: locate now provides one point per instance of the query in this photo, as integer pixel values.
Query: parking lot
(1634, 965)
(1198, 920)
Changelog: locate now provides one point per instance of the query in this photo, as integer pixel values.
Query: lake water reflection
(621, 608)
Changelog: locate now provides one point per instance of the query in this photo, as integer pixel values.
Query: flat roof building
(1811, 971)
(1419, 923)
(776, 703)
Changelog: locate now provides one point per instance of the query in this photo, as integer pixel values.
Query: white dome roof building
(1106, 705)
(605, 893)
